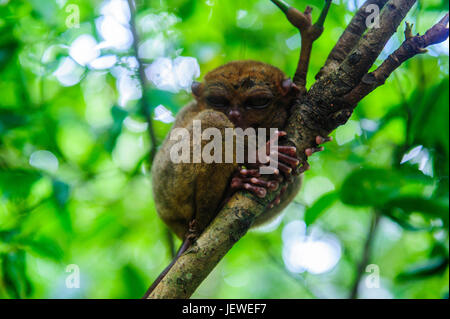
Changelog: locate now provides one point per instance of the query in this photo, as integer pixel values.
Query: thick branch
(349, 37)
(410, 47)
(325, 109)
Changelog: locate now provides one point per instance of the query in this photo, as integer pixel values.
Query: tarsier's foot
(312, 150)
(249, 178)
(277, 199)
(193, 232)
(283, 158)
(319, 140)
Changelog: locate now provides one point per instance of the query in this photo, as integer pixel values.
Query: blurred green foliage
(90, 203)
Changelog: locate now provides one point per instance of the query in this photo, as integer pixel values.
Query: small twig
(145, 107)
(309, 33)
(366, 254)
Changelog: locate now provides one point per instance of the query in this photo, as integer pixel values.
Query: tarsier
(240, 94)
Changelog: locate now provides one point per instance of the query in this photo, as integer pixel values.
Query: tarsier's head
(250, 93)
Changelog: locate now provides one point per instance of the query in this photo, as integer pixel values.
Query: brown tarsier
(241, 94)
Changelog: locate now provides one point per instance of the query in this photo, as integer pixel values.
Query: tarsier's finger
(276, 178)
(275, 202)
(312, 150)
(193, 225)
(321, 139)
(193, 230)
(288, 150)
(249, 172)
(272, 185)
(238, 183)
(291, 161)
(275, 137)
(258, 191)
(277, 199)
(305, 166)
(283, 168)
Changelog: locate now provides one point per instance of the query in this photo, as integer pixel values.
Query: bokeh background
(75, 187)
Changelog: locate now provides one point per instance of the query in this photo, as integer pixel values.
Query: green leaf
(10, 120)
(7, 236)
(61, 191)
(133, 280)
(43, 246)
(14, 275)
(320, 206)
(405, 223)
(430, 122)
(370, 187)
(432, 267)
(17, 183)
(118, 115)
(428, 206)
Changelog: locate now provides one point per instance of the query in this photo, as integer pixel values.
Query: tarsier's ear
(289, 87)
(196, 88)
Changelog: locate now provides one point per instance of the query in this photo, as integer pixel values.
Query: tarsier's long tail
(184, 246)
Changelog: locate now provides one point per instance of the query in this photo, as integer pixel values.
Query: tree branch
(412, 46)
(232, 222)
(309, 33)
(349, 37)
(369, 47)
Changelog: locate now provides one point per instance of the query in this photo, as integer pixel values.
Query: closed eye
(217, 101)
(258, 102)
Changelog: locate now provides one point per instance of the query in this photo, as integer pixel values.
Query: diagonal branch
(412, 46)
(369, 47)
(349, 37)
(309, 33)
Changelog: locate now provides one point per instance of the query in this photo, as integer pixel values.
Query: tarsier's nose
(234, 116)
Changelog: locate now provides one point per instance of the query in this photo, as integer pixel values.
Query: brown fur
(184, 191)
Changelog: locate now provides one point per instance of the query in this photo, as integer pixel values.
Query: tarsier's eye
(258, 102)
(217, 101)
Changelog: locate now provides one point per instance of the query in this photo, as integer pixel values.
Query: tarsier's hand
(249, 177)
(312, 150)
